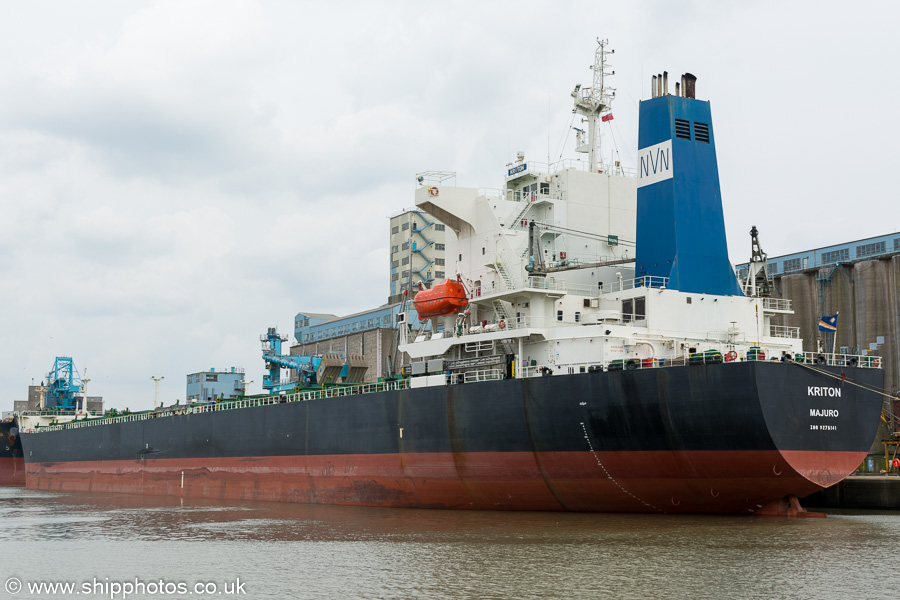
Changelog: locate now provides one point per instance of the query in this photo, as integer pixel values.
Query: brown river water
(122, 547)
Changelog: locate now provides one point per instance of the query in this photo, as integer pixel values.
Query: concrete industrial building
(860, 280)
(371, 333)
(209, 385)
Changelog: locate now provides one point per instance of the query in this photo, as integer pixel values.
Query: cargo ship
(12, 463)
(594, 352)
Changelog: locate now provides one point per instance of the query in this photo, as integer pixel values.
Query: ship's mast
(592, 101)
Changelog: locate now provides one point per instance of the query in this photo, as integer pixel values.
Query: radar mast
(592, 101)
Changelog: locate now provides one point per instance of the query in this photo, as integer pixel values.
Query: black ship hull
(714, 438)
(12, 463)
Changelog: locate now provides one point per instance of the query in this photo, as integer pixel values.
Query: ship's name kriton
(822, 391)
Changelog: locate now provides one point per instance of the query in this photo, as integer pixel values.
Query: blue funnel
(680, 226)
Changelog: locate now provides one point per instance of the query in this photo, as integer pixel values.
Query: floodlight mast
(592, 101)
(156, 379)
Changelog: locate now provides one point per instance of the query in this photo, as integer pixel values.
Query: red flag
(607, 117)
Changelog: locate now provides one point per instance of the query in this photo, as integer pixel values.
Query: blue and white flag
(827, 323)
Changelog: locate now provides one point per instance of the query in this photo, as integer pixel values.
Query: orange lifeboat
(444, 298)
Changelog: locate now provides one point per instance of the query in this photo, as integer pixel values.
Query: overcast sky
(176, 177)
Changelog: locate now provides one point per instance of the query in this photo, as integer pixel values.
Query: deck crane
(536, 265)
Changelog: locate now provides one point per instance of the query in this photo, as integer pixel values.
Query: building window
(405, 260)
(438, 227)
(794, 264)
(405, 226)
(395, 249)
(439, 246)
(395, 276)
(836, 256)
(439, 274)
(405, 274)
(395, 229)
(395, 264)
(772, 267)
(870, 249)
(405, 246)
(439, 262)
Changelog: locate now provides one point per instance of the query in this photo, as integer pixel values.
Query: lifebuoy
(876, 363)
(731, 356)
(502, 324)
(895, 463)
(433, 191)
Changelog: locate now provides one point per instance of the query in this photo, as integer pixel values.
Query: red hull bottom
(12, 470)
(655, 482)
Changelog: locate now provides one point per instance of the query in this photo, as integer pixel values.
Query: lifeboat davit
(444, 298)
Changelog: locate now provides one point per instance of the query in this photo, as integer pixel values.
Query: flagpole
(834, 339)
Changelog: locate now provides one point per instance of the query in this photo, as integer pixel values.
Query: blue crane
(312, 370)
(64, 386)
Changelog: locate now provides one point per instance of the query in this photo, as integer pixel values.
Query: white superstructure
(548, 262)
